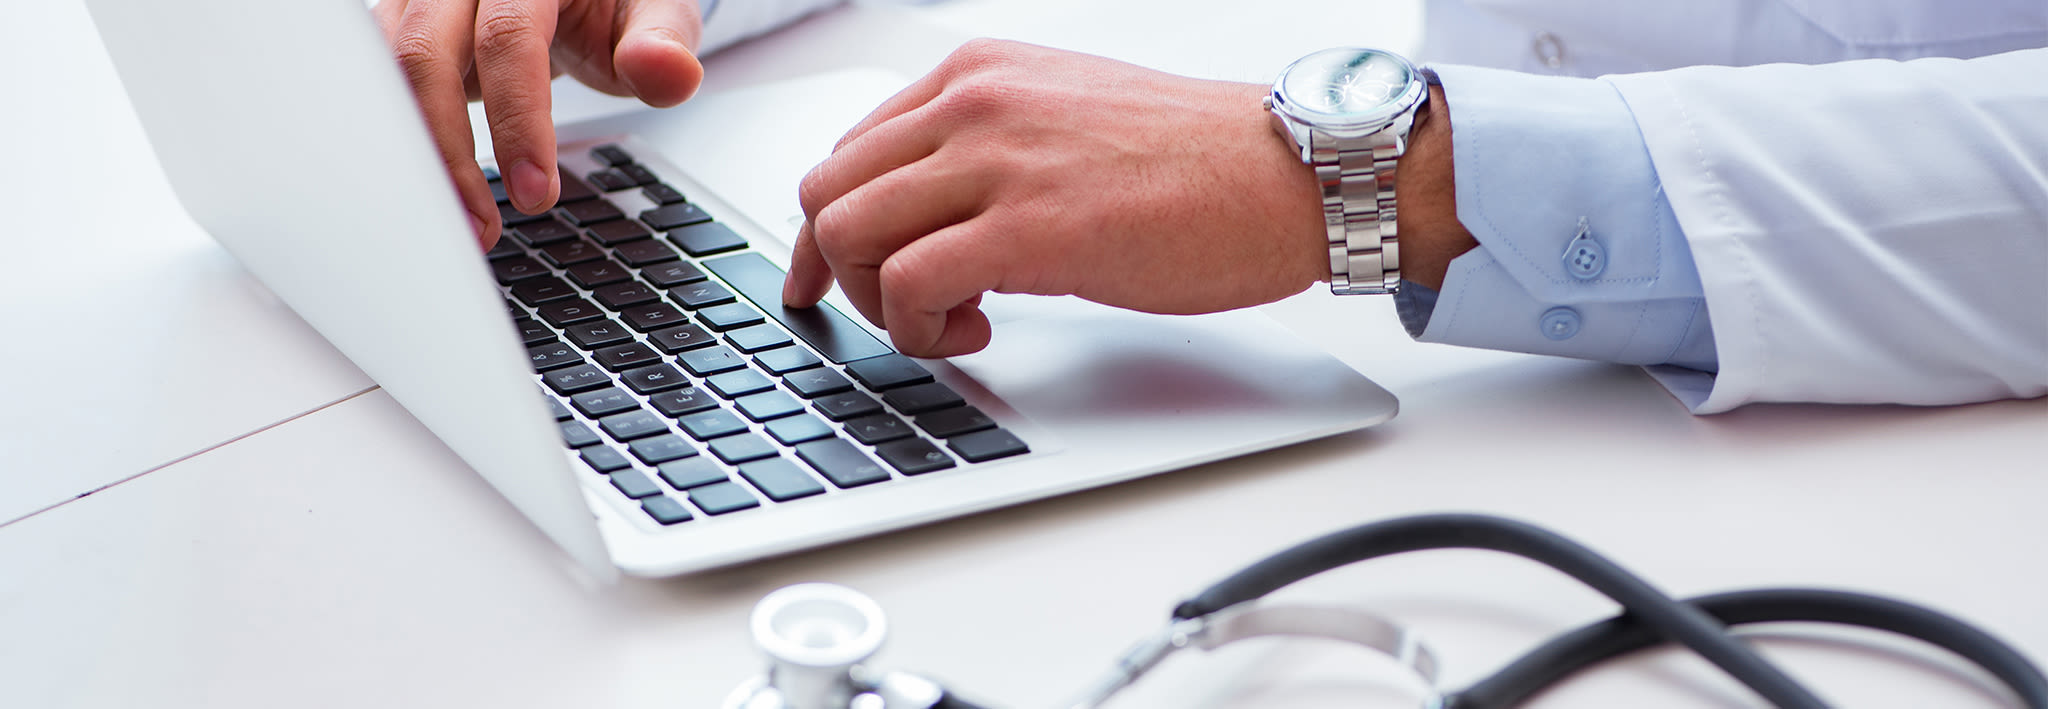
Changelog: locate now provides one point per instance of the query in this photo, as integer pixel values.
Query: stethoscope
(817, 635)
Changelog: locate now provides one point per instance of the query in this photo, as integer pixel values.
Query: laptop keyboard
(675, 372)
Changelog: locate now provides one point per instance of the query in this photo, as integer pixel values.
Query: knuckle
(506, 27)
(982, 51)
(418, 51)
(810, 192)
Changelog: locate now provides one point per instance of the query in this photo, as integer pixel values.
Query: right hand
(506, 52)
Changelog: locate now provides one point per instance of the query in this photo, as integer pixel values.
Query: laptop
(621, 369)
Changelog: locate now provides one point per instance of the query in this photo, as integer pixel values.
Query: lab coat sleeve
(1867, 231)
(728, 22)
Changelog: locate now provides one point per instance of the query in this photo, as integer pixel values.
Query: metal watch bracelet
(1357, 177)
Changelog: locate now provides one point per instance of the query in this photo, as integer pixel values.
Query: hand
(1021, 169)
(506, 51)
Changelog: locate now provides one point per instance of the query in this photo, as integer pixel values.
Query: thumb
(656, 53)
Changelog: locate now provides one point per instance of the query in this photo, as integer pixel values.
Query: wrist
(1426, 198)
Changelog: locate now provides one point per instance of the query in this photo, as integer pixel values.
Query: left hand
(1021, 169)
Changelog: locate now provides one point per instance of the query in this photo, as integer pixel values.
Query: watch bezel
(1350, 124)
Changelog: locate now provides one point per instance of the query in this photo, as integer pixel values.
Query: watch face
(1347, 83)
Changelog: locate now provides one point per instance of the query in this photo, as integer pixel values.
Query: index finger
(431, 39)
(512, 71)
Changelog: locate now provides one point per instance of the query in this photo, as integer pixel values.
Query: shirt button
(1559, 323)
(1584, 256)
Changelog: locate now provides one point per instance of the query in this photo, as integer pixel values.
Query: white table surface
(343, 557)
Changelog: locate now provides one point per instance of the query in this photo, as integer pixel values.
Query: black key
(604, 402)
(512, 309)
(700, 294)
(987, 445)
(888, 372)
(641, 253)
(792, 430)
(562, 413)
(827, 331)
(780, 479)
(661, 193)
(670, 216)
(711, 424)
(668, 275)
(755, 338)
(604, 459)
(678, 339)
(497, 184)
(584, 214)
(505, 248)
(922, 398)
(534, 291)
(542, 232)
(720, 498)
(517, 268)
(710, 360)
(648, 380)
(619, 232)
(619, 296)
(876, 428)
(593, 334)
(947, 423)
(640, 174)
(531, 332)
(654, 316)
(661, 449)
(739, 382)
(632, 354)
(573, 190)
(741, 447)
(768, 405)
(633, 424)
(665, 510)
(635, 484)
(572, 380)
(814, 383)
(729, 316)
(591, 274)
(841, 463)
(691, 472)
(577, 435)
(784, 360)
(513, 217)
(563, 313)
(552, 355)
(840, 407)
(569, 253)
(611, 155)
(706, 238)
(676, 403)
(611, 180)
(914, 456)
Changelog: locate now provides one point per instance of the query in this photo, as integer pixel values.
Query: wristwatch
(1349, 111)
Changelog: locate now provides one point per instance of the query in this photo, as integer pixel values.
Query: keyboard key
(678, 402)
(922, 398)
(611, 180)
(517, 268)
(611, 155)
(691, 472)
(513, 217)
(591, 274)
(604, 459)
(639, 173)
(711, 424)
(710, 360)
(739, 382)
(670, 216)
(631, 354)
(638, 423)
(706, 238)
(986, 445)
(552, 355)
(814, 383)
(768, 405)
(661, 193)
(648, 380)
(876, 428)
(888, 372)
(619, 296)
(827, 331)
(741, 447)
(577, 379)
(755, 338)
(654, 316)
(698, 295)
(681, 338)
(729, 316)
(841, 463)
(780, 479)
(577, 435)
(604, 402)
(669, 275)
(720, 498)
(635, 484)
(562, 413)
(661, 449)
(562, 313)
(593, 334)
(792, 430)
(569, 253)
(840, 407)
(641, 253)
(544, 231)
(545, 289)
(665, 510)
(619, 232)
(783, 360)
(573, 190)
(504, 249)
(584, 214)
(532, 332)
(914, 456)
(947, 423)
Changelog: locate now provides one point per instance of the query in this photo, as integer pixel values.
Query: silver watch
(1349, 111)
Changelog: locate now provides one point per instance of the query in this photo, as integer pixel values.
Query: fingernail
(528, 183)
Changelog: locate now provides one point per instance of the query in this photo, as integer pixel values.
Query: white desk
(345, 558)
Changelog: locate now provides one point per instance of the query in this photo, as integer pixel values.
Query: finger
(431, 39)
(810, 278)
(907, 139)
(655, 56)
(859, 232)
(512, 38)
(930, 290)
(387, 14)
(970, 57)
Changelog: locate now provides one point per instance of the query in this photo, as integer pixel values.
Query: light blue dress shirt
(1579, 253)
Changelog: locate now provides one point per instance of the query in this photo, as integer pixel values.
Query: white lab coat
(1866, 231)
